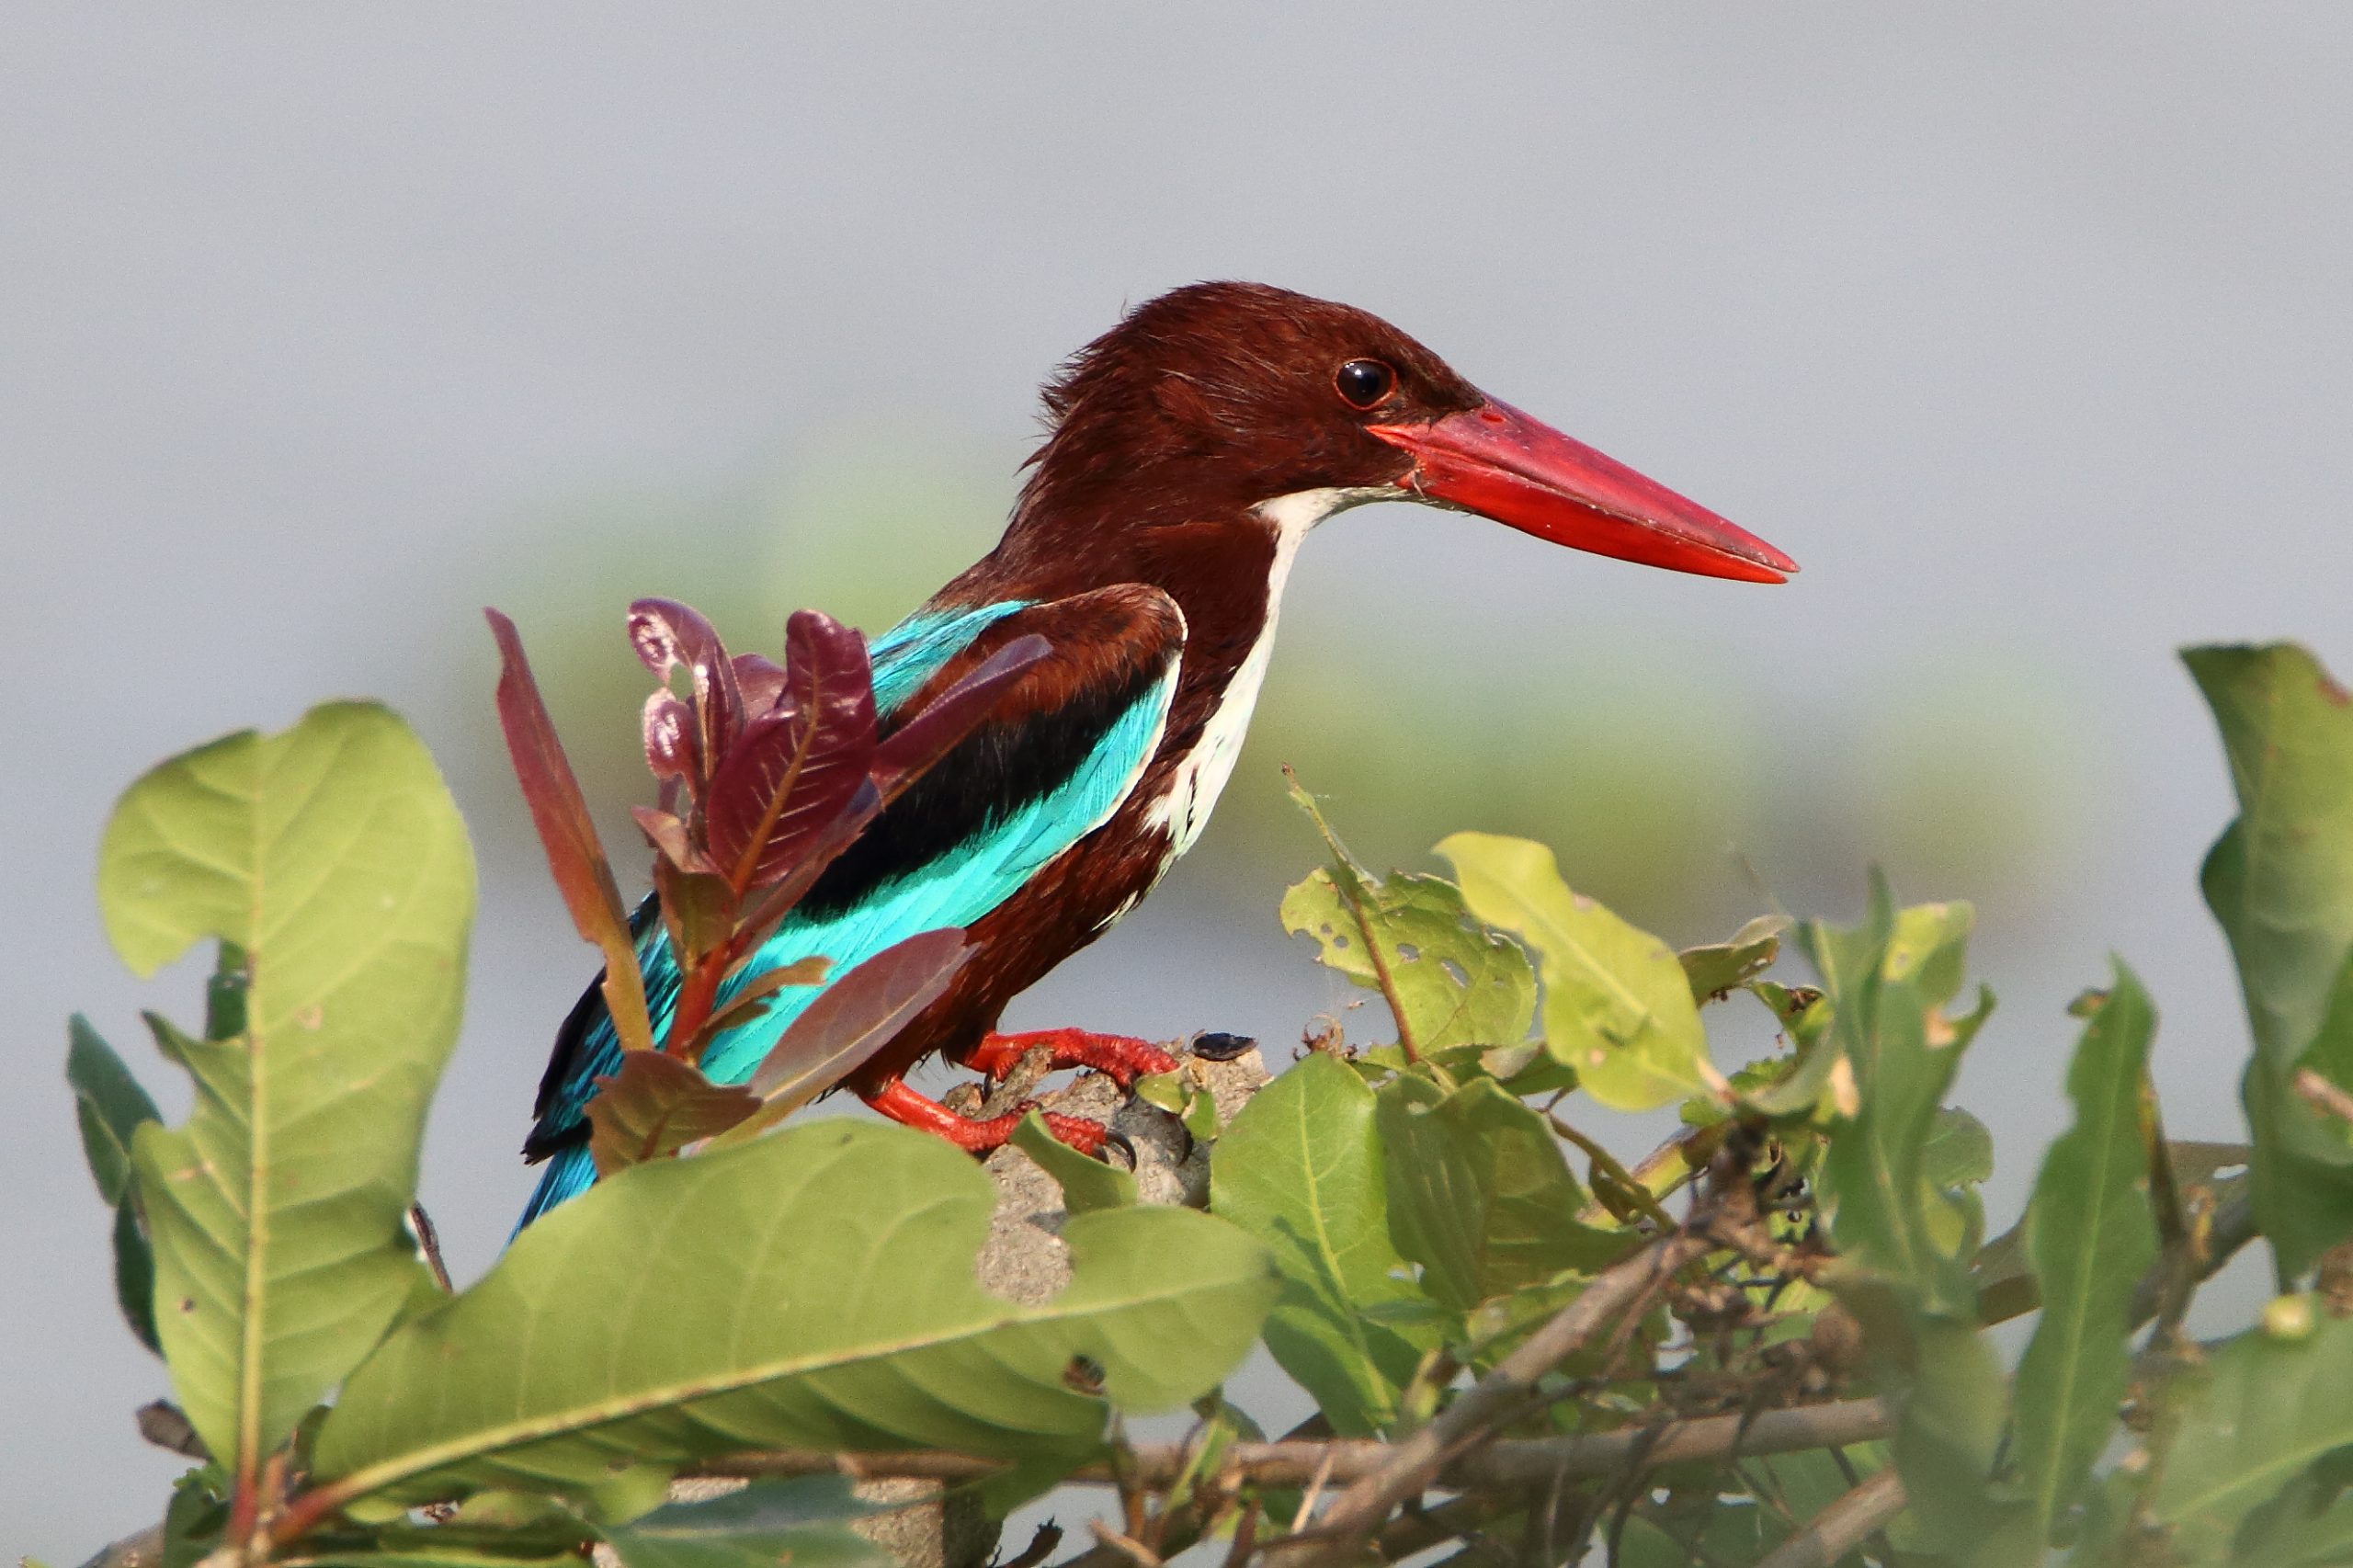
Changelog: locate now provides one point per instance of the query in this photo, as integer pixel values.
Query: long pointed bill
(1498, 462)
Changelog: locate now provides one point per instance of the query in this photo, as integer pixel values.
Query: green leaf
(1088, 1184)
(1886, 981)
(2281, 882)
(135, 1275)
(799, 1521)
(2091, 1237)
(1947, 1382)
(1457, 983)
(1956, 1157)
(109, 1105)
(331, 856)
(812, 1288)
(1301, 1169)
(1480, 1194)
(2265, 1410)
(1725, 966)
(1617, 1007)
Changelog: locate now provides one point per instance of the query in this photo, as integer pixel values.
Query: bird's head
(1222, 398)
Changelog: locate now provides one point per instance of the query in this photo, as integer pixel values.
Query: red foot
(976, 1134)
(1123, 1057)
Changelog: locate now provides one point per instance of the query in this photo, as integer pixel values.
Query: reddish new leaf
(667, 636)
(760, 679)
(670, 745)
(667, 834)
(793, 772)
(931, 734)
(849, 1021)
(776, 902)
(656, 1106)
(752, 1000)
(697, 910)
(561, 814)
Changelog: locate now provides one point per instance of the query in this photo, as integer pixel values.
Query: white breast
(1184, 810)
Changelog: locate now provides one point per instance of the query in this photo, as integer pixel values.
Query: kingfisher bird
(1188, 451)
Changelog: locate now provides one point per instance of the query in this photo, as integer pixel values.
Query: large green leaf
(1617, 1005)
(331, 856)
(2281, 882)
(2091, 1237)
(1303, 1170)
(2265, 1409)
(812, 1288)
(1479, 1194)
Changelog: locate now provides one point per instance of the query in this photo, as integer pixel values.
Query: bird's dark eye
(1365, 384)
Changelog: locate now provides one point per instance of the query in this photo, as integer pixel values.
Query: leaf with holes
(841, 1313)
(1450, 981)
(1617, 1007)
(1459, 982)
(331, 856)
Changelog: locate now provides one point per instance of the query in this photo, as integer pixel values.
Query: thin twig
(1314, 1494)
(1844, 1524)
(1412, 1464)
(1607, 1164)
(428, 1241)
(1295, 1462)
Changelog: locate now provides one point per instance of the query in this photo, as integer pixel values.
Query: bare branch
(1297, 1461)
(1416, 1463)
(1842, 1526)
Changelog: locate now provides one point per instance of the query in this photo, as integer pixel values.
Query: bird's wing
(1058, 752)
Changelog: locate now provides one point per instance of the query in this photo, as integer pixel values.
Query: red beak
(1498, 462)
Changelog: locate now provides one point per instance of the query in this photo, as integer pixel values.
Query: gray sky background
(2022, 326)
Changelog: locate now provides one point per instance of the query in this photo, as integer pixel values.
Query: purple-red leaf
(667, 636)
(760, 679)
(656, 1106)
(670, 744)
(561, 814)
(668, 836)
(849, 1021)
(930, 735)
(697, 910)
(793, 772)
(758, 994)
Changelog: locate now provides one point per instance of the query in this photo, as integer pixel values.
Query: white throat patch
(1183, 811)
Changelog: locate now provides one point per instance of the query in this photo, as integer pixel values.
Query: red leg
(1124, 1057)
(976, 1134)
